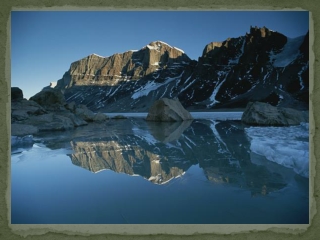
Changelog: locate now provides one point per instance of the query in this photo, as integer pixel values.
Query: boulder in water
(259, 113)
(168, 110)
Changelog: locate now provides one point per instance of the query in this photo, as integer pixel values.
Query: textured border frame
(8, 231)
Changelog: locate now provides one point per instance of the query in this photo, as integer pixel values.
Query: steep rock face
(99, 82)
(131, 65)
(262, 65)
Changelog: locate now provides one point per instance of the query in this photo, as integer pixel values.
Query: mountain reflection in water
(160, 152)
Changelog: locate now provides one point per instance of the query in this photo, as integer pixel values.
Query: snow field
(287, 146)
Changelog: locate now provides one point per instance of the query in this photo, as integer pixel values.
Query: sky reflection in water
(200, 171)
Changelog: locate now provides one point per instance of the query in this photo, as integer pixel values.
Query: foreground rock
(50, 99)
(22, 109)
(16, 94)
(258, 113)
(47, 111)
(168, 110)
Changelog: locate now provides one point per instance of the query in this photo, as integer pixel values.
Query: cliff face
(262, 65)
(132, 65)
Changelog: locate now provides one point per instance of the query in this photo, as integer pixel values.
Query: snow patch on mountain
(288, 54)
(236, 60)
(53, 84)
(188, 84)
(304, 68)
(151, 86)
(164, 43)
(158, 45)
(153, 48)
(97, 55)
(216, 89)
(180, 50)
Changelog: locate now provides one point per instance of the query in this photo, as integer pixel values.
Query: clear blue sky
(44, 44)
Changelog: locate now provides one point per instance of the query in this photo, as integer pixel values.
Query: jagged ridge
(263, 65)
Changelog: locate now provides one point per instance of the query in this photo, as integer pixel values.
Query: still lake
(212, 170)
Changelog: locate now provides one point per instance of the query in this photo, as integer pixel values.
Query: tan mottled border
(8, 231)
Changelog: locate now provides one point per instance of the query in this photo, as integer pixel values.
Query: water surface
(210, 170)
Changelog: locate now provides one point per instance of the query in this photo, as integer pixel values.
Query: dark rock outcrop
(50, 98)
(22, 109)
(263, 66)
(48, 111)
(16, 94)
(168, 110)
(258, 113)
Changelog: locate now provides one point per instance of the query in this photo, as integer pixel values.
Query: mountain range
(263, 65)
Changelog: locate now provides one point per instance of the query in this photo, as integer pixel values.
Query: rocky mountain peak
(262, 65)
(266, 36)
(157, 45)
(164, 54)
(262, 32)
(95, 55)
(130, 65)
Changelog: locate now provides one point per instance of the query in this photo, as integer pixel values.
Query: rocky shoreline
(47, 111)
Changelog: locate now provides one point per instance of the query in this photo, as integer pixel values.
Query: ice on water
(288, 146)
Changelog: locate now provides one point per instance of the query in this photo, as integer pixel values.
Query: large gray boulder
(168, 110)
(83, 112)
(77, 121)
(100, 117)
(259, 113)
